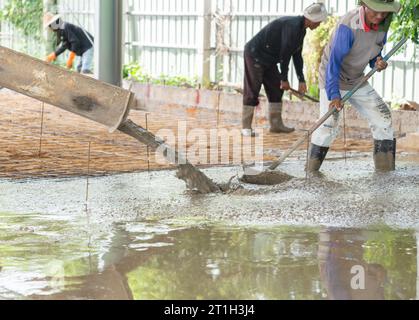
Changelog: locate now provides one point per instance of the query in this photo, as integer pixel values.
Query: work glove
(70, 60)
(51, 57)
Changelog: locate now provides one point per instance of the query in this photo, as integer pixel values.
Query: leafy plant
(134, 71)
(316, 41)
(406, 22)
(25, 15)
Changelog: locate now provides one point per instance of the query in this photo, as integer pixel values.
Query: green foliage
(176, 81)
(316, 41)
(134, 71)
(25, 15)
(406, 23)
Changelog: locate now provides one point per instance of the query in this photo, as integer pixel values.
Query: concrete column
(108, 41)
(204, 40)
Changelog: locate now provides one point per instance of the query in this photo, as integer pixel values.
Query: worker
(75, 39)
(357, 42)
(275, 44)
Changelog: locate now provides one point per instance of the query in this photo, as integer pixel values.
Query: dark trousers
(255, 75)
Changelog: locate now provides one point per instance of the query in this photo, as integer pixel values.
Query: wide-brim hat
(316, 12)
(383, 5)
(50, 18)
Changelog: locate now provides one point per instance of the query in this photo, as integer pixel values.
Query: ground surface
(119, 236)
(63, 149)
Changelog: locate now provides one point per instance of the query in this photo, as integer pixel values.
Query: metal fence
(165, 35)
(78, 12)
(199, 37)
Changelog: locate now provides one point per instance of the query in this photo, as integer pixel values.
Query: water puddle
(189, 260)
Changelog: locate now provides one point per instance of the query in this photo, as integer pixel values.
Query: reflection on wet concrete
(349, 234)
(343, 270)
(147, 261)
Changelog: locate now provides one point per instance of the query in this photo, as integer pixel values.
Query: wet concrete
(266, 178)
(274, 242)
(195, 179)
(348, 195)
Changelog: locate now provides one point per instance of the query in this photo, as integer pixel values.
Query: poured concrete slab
(347, 194)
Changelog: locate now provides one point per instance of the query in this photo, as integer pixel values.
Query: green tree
(406, 23)
(25, 15)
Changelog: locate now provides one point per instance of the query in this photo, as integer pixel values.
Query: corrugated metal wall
(163, 35)
(79, 12)
(166, 37)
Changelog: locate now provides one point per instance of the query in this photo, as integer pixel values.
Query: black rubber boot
(275, 119)
(247, 120)
(385, 155)
(316, 157)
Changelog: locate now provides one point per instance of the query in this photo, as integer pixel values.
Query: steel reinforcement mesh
(38, 140)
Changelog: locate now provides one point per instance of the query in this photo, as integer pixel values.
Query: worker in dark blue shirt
(75, 39)
(275, 44)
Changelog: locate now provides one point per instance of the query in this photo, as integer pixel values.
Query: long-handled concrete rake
(268, 175)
